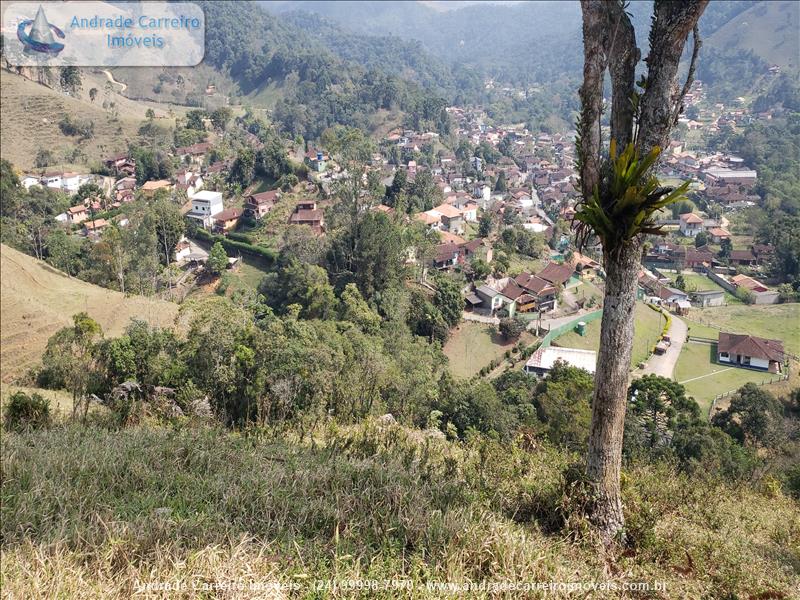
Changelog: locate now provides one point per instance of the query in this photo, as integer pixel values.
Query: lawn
(705, 379)
(517, 263)
(472, 346)
(778, 321)
(697, 282)
(648, 324)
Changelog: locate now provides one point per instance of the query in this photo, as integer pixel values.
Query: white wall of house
(759, 363)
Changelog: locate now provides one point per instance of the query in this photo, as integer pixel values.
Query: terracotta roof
(200, 148)
(742, 255)
(156, 185)
(447, 210)
(228, 214)
(750, 345)
(535, 284)
(96, 224)
(691, 218)
(473, 245)
(556, 273)
(445, 252)
(74, 210)
(426, 218)
(512, 290)
(263, 197)
(719, 232)
(307, 215)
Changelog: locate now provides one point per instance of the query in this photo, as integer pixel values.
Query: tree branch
(623, 56)
(697, 44)
(591, 94)
(672, 22)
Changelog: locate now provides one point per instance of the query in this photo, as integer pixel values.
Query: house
(718, 234)
(674, 299)
(478, 248)
(742, 257)
(556, 274)
(28, 181)
(258, 205)
(227, 220)
(189, 181)
(429, 220)
(469, 211)
(450, 217)
(95, 226)
(313, 217)
(494, 300)
(541, 293)
(542, 361)
(447, 255)
(691, 224)
(149, 188)
(748, 283)
(77, 214)
(750, 351)
(586, 267)
(316, 159)
(456, 251)
(708, 298)
(205, 205)
(194, 153)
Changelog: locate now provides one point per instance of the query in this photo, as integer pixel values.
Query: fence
(562, 329)
(771, 380)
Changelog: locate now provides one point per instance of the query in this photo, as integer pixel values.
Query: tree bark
(610, 42)
(623, 56)
(610, 388)
(591, 93)
(672, 23)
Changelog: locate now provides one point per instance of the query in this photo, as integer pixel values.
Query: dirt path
(110, 77)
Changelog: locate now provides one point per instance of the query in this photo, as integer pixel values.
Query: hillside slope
(37, 300)
(31, 115)
(149, 506)
(768, 29)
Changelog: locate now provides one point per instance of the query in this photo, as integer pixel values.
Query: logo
(36, 35)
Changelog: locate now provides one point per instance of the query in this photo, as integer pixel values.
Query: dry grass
(472, 346)
(31, 113)
(89, 513)
(37, 300)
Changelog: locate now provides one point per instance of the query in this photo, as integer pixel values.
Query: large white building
(205, 205)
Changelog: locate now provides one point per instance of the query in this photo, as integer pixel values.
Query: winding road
(110, 77)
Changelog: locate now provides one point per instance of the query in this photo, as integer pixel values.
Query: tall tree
(620, 194)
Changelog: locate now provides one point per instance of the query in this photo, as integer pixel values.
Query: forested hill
(387, 53)
(539, 42)
(324, 80)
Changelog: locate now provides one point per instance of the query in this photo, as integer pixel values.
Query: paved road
(664, 364)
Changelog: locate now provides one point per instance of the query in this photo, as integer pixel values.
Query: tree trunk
(610, 388)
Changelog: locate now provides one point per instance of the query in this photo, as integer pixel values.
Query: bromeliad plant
(624, 203)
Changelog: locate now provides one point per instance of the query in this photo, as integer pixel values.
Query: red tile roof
(750, 345)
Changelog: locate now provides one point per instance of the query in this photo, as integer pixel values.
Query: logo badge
(37, 37)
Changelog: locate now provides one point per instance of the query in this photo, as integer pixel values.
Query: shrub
(26, 413)
(511, 329)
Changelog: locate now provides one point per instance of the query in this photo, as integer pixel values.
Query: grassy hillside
(90, 513)
(31, 114)
(769, 29)
(37, 300)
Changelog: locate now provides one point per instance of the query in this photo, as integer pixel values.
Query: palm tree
(620, 195)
